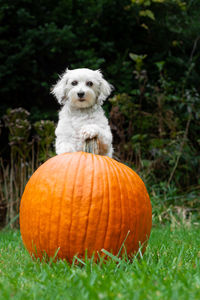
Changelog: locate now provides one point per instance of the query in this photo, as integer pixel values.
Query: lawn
(170, 269)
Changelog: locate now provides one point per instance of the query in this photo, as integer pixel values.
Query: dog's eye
(89, 83)
(75, 82)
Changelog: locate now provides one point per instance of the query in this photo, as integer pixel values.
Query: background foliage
(41, 38)
(148, 49)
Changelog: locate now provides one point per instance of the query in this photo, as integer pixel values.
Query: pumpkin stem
(91, 146)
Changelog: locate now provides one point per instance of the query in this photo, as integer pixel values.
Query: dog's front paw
(89, 132)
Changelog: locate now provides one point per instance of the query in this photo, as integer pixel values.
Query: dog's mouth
(81, 100)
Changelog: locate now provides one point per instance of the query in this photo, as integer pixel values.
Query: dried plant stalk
(91, 146)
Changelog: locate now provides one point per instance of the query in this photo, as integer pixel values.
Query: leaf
(147, 13)
(160, 65)
(137, 57)
(115, 258)
(145, 26)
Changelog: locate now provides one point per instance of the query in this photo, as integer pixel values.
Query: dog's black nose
(81, 95)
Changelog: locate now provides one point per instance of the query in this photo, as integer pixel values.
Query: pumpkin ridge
(72, 196)
(129, 184)
(125, 203)
(91, 193)
(99, 217)
(137, 229)
(50, 223)
(38, 215)
(48, 163)
(130, 171)
(37, 220)
(62, 200)
(133, 173)
(116, 170)
(27, 217)
(108, 206)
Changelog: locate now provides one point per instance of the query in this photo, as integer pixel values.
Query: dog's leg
(105, 142)
(104, 136)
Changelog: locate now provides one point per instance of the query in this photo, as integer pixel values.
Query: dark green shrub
(40, 39)
(154, 129)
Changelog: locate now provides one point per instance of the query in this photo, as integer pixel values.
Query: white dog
(82, 93)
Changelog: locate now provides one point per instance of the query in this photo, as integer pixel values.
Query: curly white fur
(82, 93)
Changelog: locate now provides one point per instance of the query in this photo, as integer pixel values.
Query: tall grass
(30, 145)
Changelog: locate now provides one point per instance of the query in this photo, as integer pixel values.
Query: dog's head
(82, 88)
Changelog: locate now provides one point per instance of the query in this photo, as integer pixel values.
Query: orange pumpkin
(78, 201)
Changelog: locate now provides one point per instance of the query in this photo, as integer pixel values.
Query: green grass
(170, 269)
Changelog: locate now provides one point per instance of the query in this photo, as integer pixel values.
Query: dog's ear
(59, 89)
(105, 88)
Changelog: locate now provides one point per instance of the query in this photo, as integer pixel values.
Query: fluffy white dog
(82, 93)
